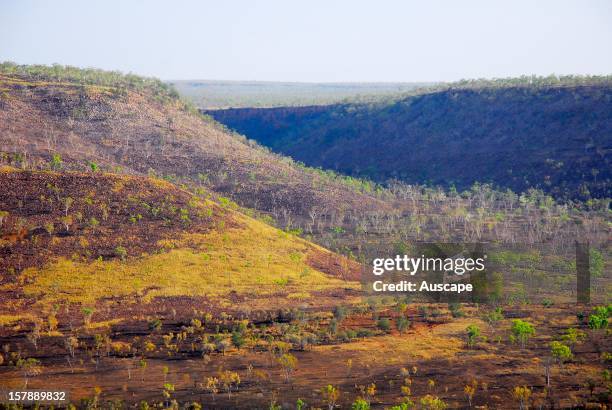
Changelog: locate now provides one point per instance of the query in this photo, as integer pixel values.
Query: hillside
(85, 237)
(152, 294)
(209, 94)
(140, 126)
(64, 118)
(521, 134)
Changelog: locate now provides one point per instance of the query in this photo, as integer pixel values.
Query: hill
(210, 94)
(63, 118)
(139, 125)
(86, 237)
(551, 134)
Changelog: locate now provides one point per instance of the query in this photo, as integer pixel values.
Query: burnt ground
(104, 212)
(432, 349)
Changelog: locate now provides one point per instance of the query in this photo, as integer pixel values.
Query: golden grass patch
(395, 350)
(299, 295)
(251, 258)
(104, 324)
(8, 320)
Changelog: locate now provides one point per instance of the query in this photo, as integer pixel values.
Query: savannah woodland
(153, 255)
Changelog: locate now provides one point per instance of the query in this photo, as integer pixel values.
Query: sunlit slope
(74, 237)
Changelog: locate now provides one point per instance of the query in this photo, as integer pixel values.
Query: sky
(313, 40)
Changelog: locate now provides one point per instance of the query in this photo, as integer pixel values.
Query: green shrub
(522, 331)
(360, 404)
(121, 252)
(599, 318)
(560, 352)
(384, 324)
(155, 324)
(238, 339)
(473, 332)
(402, 324)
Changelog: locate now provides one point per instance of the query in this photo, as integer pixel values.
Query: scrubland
(150, 257)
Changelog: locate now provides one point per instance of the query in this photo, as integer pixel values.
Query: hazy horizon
(204, 80)
(314, 42)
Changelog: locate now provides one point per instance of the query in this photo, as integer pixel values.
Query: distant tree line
(89, 76)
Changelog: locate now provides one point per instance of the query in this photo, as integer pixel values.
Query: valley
(211, 94)
(548, 133)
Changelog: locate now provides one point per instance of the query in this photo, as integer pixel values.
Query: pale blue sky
(313, 40)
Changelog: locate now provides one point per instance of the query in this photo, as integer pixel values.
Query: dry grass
(252, 258)
(443, 341)
(9, 320)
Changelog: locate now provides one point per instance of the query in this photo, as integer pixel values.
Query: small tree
(349, 367)
(142, 363)
(71, 343)
(494, 316)
(406, 391)
(212, 385)
(56, 161)
(560, 352)
(473, 332)
(402, 324)
(96, 396)
(360, 404)
(34, 335)
(155, 324)
(229, 379)
(52, 322)
(522, 394)
(273, 405)
(572, 336)
(384, 324)
(223, 345)
(238, 339)
(68, 201)
(167, 391)
(590, 384)
(29, 367)
(67, 221)
(547, 363)
(93, 222)
(49, 227)
(430, 402)
(87, 314)
(369, 392)
(288, 362)
(330, 396)
(470, 390)
(333, 326)
(339, 313)
(522, 331)
(121, 252)
(599, 318)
